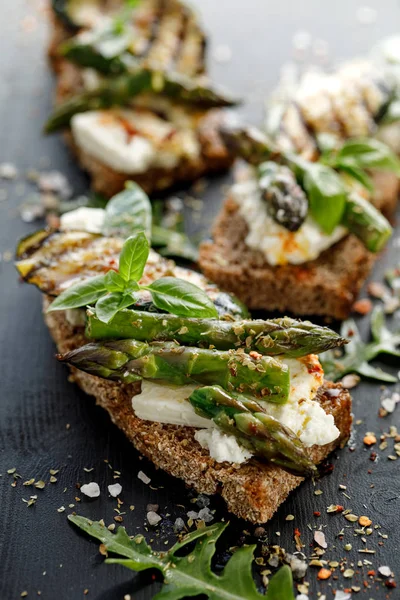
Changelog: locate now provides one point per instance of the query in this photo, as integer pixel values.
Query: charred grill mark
(164, 45)
(192, 56)
(46, 262)
(154, 28)
(180, 38)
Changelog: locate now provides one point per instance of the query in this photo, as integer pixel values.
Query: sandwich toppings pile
(133, 94)
(185, 360)
(319, 188)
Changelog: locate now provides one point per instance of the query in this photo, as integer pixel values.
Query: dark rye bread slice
(213, 157)
(326, 286)
(252, 491)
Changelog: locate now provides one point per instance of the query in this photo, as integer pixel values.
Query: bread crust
(326, 286)
(252, 491)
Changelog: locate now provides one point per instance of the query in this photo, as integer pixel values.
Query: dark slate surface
(38, 549)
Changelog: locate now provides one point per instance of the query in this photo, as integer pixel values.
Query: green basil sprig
(360, 154)
(357, 354)
(114, 291)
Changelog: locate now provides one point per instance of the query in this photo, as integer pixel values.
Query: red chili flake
(363, 306)
(373, 456)
(339, 508)
(317, 513)
(371, 573)
(390, 583)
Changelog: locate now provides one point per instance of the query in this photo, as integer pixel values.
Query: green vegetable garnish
(190, 575)
(112, 293)
(357, 354)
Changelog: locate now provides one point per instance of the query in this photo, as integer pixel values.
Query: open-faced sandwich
(301, 232)
(229, 404)
(132, 93)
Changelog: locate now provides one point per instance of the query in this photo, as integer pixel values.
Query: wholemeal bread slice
(326, 286)
(253, 490)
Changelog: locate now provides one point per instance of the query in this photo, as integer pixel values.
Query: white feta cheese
(279, 245)
(222, 447)
(105, 138)
(167, 404)
(83, 219)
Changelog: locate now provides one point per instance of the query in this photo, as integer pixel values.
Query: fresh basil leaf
(368, 153)
(128, 212)
(133, 257)
(358, 174)
(114, 282)
(108, 306)
(81, 294)
(181, 298)
(326, 195)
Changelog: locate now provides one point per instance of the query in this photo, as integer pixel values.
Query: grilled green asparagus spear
(87, 53)
(284, 336)
(360, 216)
(253, 428)
(250, 143)
(131, 360)
(120, 90)
(366, 222)
(286, 201)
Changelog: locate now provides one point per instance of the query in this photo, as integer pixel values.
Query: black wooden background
(47, 423)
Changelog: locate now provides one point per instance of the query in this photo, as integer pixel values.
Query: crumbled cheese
(222, 447)
(301, 413)
(115, 489)
(83, 219)
(279, 245)
(91, 489)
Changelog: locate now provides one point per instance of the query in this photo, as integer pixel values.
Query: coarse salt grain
(8, 171)
(153, 518)
(340, 595)
(115, 489)
(91, 489)
(319, 537)
(143, 477)
(385, 571)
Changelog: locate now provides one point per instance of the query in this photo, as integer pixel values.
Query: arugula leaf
(133, 257)
(108, 306)
(357, 354)
(190, 575)
(128, 212)
(326, 194)
(181, 298)
(367, 153)
(80, 294)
